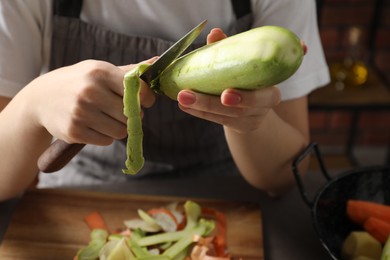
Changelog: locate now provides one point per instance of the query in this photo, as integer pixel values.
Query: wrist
(26, 111)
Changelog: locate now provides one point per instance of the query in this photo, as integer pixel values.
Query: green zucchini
(257, 58)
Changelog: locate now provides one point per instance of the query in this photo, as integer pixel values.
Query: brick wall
(335, 18)
(382, 41)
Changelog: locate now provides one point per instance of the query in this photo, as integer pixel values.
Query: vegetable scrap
(173, 232)
(95, 221)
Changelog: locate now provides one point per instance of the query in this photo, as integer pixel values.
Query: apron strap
(68, 8)
(241, 7)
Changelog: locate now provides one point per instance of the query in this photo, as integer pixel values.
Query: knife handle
(57, 155)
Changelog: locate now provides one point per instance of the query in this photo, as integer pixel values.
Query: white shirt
(25, 32)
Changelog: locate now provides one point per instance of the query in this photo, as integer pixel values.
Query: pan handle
(308, 150)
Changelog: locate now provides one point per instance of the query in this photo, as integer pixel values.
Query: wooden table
(374, 95)
(54, 228)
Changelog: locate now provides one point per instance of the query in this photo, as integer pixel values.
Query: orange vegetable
(220, 240)
(95, 220)
(182, 224)
(359, 211)
(378, 228)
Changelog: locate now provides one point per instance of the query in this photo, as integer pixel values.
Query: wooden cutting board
(48, 224)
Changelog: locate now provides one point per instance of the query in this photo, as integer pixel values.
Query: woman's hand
(83, 103)
(239, 110)
(242, 111)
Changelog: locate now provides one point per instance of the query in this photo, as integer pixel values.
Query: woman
(61, 76)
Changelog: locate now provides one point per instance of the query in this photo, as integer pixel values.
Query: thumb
(128, 67)
(215, 35)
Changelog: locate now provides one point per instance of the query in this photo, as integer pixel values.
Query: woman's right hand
(83, 103)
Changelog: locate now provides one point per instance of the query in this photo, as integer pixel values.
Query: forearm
(22, 141)
(264, 156)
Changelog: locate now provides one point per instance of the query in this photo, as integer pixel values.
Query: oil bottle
(352, 72)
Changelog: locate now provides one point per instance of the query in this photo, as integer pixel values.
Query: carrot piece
(95, 220)
(182, 224)
(220, 240)
(378, 228)
(359, 211)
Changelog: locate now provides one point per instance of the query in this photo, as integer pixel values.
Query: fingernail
(231, 98)
(186, 98)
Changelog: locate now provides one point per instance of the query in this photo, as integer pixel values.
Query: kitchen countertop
(287, 225)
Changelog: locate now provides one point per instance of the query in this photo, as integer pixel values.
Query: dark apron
(172, 138)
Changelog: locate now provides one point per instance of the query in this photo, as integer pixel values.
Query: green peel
(195, 226)
(97, 242)
(132, 110)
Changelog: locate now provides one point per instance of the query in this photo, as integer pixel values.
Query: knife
(59, 153)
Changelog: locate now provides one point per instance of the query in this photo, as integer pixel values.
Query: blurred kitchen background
(350, 118)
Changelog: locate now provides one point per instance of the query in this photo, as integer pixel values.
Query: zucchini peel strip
(132, 110)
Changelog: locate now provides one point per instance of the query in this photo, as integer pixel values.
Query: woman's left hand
(240, 110)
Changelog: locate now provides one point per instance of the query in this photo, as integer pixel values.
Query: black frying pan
(329, 205)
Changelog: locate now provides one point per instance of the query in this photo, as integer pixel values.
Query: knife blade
(59, 153)
(154, 70)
